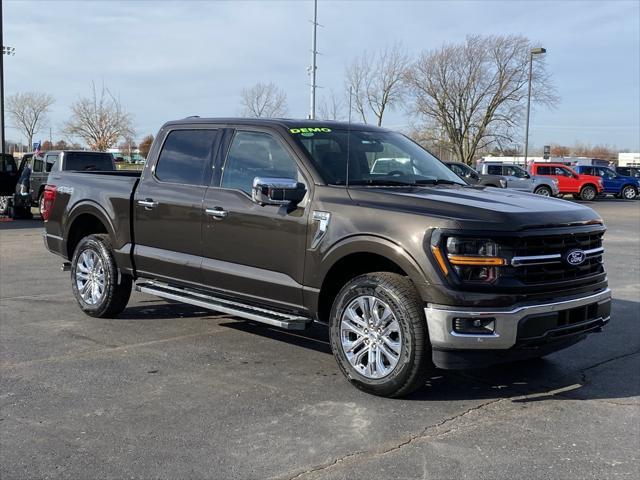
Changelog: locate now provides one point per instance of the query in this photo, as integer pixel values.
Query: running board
(249, 312)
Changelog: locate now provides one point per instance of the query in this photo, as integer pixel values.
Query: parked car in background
(472, 177)
(583, 187)
(620, 186)
(518, 179)
(628, 171)
(57, 161)
(8, 180)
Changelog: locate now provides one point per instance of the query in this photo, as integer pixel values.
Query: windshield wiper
(381, 182)
(436, 181)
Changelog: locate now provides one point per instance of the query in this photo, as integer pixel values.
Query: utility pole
(313, 68)
(1, 83)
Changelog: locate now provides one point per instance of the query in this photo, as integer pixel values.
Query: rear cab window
(185, 156)
(87, 161)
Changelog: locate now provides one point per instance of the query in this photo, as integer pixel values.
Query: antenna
(313, 68)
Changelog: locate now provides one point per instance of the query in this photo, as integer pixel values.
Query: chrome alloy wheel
(629, 193)
(90, 277)
(371, 337)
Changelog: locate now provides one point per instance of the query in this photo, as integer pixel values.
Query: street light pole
(534, 51)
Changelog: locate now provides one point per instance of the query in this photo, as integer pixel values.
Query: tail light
(47, 201)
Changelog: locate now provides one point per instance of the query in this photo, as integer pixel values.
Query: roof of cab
(281, 122)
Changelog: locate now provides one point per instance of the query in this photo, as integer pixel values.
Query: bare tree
(559, 151)
(477, 91)
(264, 100)
(377, 81)
(145, 145)
(28, 111)
(332, 107)
(99, 120)
(127, 147)
(61, 145)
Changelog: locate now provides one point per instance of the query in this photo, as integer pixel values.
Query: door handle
(148, 203)
(217, 212)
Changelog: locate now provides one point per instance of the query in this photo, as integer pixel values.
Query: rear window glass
(88, 161)
(545, 171)
(494, 169)
(8, 164)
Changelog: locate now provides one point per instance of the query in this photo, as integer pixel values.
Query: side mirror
(277, 191)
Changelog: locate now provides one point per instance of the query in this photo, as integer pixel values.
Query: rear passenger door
(168, 206)
(255, 251)
(516, 178)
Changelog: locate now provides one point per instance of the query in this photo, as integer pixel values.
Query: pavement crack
(427, 432)
(583, 371)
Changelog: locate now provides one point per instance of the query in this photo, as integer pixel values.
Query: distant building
(629, 159)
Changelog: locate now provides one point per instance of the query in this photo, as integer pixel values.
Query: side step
(262, 315)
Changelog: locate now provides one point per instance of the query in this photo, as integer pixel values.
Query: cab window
(256, 154)
(185, 155)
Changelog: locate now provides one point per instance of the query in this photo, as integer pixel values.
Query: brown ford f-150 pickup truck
(287, 223)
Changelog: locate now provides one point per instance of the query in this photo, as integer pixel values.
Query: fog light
(474, 326)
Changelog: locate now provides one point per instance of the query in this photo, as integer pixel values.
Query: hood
(477, 208)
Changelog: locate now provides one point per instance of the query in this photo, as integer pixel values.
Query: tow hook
(66, 267)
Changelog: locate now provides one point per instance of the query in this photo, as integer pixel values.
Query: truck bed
(105, 194)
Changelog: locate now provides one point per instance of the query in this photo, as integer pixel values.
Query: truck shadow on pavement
(598, 368)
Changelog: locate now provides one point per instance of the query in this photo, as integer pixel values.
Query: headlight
(503, 183)
(473, 260)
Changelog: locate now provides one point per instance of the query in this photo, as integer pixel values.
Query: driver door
(251, 250)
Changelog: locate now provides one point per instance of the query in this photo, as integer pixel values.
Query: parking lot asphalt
(172, 391)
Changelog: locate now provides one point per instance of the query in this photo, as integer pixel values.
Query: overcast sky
(168, 60)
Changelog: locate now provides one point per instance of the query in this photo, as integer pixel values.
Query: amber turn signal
(440, 259)
(476, 261)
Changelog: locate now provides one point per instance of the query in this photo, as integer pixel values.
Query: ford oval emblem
(575, 257)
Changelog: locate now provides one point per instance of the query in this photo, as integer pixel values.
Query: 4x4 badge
(575, 257)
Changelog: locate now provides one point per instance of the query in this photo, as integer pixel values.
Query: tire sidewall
(369, 285)
(586, 189)
(543, 189)
(96, 245)
(629, 188)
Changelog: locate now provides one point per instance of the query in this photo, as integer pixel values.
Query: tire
(543, 190)
(394, 297)
(629, 192)
(40, 202)
(588, 193)
(93, 259)
(4, 205)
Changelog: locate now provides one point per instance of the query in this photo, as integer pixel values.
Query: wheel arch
(86, 219)
(358, 255)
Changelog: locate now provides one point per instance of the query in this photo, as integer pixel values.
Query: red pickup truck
(582, 187)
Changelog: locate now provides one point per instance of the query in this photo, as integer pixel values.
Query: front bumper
(520, 325)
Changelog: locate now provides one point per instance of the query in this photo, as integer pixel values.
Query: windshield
(88, 161)
(376, 158)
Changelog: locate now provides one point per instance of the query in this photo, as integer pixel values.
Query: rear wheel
(379, 334)
(629, 192)
(4, 205)
(543, 191)
(588, 193)
(94, 278)
(41, 202)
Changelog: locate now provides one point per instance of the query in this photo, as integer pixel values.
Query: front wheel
(94, 278)
(629, 192)
(543, 191)
(588, 193)
(379, 334)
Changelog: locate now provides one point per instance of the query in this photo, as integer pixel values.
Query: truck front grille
(542, 261)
